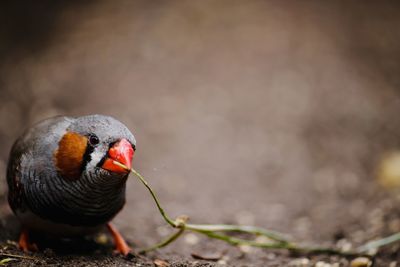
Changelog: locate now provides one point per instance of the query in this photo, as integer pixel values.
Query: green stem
(211, 230)
(209, 227)
(17, 256)
(291, 247)
(165, 216)
(165, 242)
(380, 242)
(237, 228)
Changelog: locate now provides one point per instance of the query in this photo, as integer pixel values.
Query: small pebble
(361, 262)
(226, 258)
(246, 248)
(161, 263)
(13, 243)
(372, 251)
(222, 262)
(388, 173)
(191, 239)
(101, 239)
(344, 244)
(207, 256)
(303, 262)
(322, 264)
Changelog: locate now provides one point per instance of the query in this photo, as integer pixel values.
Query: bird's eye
(93, 140)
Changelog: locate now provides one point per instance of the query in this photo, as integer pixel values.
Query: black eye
(93, 140)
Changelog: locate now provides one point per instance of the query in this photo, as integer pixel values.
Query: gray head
(91, 144)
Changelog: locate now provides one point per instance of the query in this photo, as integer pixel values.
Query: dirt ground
(268, 113)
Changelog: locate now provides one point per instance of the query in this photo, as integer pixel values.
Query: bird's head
(90, 146)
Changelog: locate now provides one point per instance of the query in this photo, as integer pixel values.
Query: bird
(63, 181)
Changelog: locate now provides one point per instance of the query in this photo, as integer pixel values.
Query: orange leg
(23, 242)
(120, 244)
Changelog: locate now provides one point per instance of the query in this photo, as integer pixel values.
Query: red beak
(121, 152)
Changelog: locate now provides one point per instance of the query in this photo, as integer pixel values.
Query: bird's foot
(121, 247)
(24, 243)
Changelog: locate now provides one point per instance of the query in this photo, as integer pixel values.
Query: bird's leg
(24, 243)
(120, 244)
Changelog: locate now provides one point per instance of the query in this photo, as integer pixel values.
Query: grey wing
(30, 155)
(16, 197)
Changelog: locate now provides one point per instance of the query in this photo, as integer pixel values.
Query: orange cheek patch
(69, 155)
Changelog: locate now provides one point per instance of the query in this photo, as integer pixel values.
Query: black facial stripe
(111, 144)
(102, 160)
(87, 156)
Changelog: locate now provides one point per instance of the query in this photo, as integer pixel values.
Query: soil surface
(267, 113)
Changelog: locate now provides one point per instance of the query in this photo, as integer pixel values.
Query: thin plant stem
(165, 242)
(380, 243)
(291, 247)
(17, 256)
(211, 230)
(237, 228)
(209, 227)
(163, 214)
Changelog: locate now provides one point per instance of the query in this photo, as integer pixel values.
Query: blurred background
(270, 113)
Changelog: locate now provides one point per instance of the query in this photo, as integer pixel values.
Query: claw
(120, 244)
